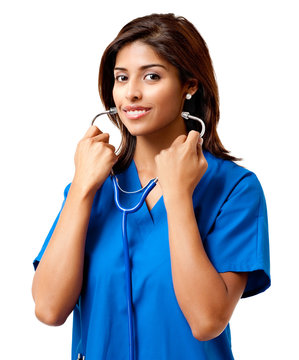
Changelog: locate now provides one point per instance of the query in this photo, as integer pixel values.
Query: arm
(206, 297)
(58, 278)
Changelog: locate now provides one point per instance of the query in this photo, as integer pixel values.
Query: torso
(102, 315)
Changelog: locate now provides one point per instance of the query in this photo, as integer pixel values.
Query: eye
(152, 76)
(121, 78)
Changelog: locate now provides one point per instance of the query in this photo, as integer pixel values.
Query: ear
(191, 86)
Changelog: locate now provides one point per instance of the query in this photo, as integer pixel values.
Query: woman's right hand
(94, 159)
(58, 279)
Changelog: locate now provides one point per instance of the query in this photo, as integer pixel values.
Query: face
(147, 91)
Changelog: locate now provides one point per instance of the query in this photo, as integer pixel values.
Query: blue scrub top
(231, 213)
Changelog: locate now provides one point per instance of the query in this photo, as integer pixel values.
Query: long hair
(177, 41)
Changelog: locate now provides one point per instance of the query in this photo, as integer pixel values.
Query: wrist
(178, 199)
(83, 191)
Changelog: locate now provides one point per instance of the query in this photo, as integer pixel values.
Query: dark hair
(177, 41)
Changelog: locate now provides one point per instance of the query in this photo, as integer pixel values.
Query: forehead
(139, 54)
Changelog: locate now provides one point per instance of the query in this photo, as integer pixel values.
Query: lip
(135, 112)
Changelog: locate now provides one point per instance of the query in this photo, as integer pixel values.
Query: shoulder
(67, 189)
(229, 176)
(233, 220)
(227, 187)
(225, 168)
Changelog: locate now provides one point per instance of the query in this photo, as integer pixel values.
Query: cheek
(170, 93)
(171, 98)
(114, 95)
(117, 94)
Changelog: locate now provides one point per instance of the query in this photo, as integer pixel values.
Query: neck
(148, 146)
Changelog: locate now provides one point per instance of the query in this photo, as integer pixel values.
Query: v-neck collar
(129, 181)
(139, 186)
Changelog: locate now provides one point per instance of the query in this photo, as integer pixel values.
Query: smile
(136, 113)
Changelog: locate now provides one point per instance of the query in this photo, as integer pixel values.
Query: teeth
(135, 112)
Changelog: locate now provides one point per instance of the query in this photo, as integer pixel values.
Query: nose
(133, 90)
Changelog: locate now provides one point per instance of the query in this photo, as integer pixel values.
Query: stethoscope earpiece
(111, 111)
(186, 115)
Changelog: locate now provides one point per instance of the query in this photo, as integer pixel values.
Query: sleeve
(238, 241)
(39, 256)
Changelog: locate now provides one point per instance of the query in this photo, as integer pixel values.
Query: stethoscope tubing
(128, 275)
(128, 285)
(125, 212)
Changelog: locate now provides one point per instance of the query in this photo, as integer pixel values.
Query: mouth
(135, 112)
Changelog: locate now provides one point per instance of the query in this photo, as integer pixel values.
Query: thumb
(200, 141)
(92, 131)
(193, 140)
(179, 140)
(199, 146)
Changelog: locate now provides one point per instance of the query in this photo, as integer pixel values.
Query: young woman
(197, 245)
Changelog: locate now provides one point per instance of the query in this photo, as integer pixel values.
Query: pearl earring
(188, 96)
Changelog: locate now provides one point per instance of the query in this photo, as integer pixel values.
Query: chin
(140, 132)
(146, 129)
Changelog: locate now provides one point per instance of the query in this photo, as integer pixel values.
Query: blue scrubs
(231, 213)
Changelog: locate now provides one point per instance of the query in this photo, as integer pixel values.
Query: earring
(187, 116)
(188, 96)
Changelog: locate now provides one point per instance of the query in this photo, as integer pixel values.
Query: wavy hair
(176, 40)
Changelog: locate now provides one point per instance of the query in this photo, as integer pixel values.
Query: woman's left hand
(181, 166)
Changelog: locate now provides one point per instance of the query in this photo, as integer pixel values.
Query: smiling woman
(199, 242)
(147, 87)
(168, 39)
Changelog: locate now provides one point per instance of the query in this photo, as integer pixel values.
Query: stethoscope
(145, 191)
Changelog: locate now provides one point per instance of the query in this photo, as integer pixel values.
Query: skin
(164, 149)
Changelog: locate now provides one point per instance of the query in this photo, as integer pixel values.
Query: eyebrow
(144, 67)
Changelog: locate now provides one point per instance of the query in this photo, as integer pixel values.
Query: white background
(50, 53)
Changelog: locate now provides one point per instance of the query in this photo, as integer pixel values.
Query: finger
(111, 147)
(179, 140)
(92, 131)
(199, 147)
(193, 139)
(192, 136)
(104, 137)
(106, 143)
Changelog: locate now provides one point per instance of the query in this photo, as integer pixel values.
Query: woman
(198, 244)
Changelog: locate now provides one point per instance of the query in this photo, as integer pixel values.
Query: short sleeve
(39, 256)
(238, 240)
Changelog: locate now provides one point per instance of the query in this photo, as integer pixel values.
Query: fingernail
(200, 140)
